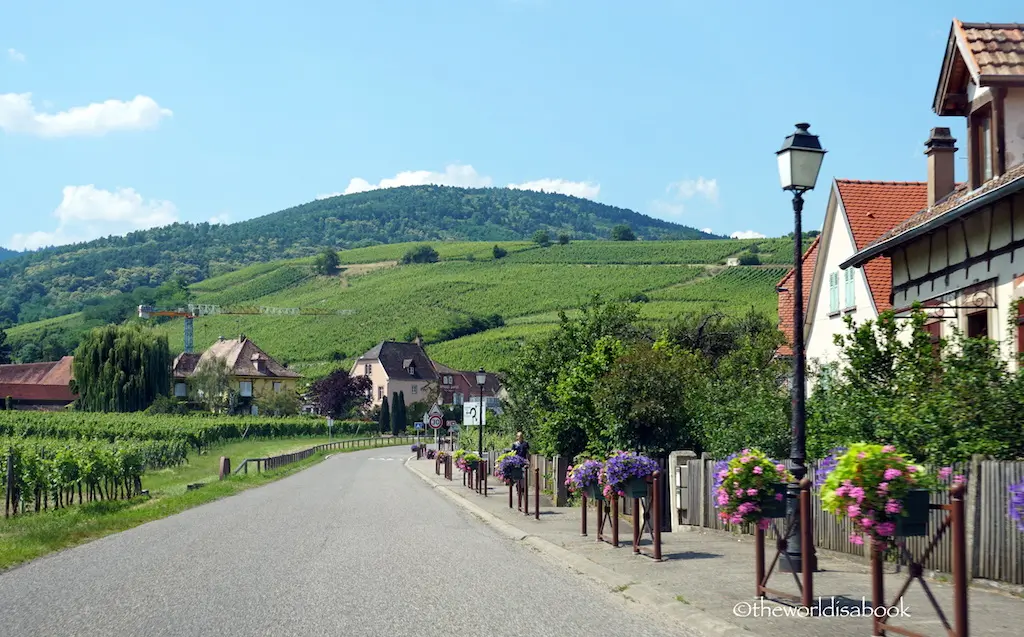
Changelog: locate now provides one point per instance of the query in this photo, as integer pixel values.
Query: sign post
(330, 426)
(419, 427)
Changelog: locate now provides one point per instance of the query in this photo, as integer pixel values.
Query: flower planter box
(913, 520)
(635, 488)
(773, 508)
(515, 474)
(594, 492)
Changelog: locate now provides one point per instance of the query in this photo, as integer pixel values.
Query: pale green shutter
(851, 293)
(833, 292)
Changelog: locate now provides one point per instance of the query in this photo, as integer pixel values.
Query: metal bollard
(583, 516)
(656, 514)
(536, 493)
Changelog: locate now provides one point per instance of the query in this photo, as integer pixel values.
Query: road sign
(435, 421)
(435, 411)
(418, 425)
(472, 414)
(453, 423)
(454, 426)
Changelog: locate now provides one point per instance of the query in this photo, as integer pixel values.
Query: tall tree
(622, 232)
(5, 348)
(328, 262)
(396, 413)
(385, 417)
(210, 385)
(121, 368)
(338, 394)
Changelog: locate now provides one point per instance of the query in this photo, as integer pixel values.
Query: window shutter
(833, 292)
(851, 293)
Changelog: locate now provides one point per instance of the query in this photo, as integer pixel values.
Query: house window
(977, 324)
(982, 131)
(412, 369)
(380, 392)
(447, 380)
(180, 390)
(277, 386)
(934, 330)
(833, 293)
(367, 370)
(414, 389)
(851, 293)
(457, 399)
(245, 388)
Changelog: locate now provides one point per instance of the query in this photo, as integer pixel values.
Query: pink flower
(739, 493)
(723, 499)
(780, 467)
(745, 507)
(841, 491)
(886, 529)
(764, 524)
(736, 471)
(779, 497)
(888, 449)
(892, 474)
(751, 491)
(723, 516)
(861, 455)
(745, 459)
(883, 488)
(745, 452)
(856, 539)
(736, 519)
(911, 469)
(758, 470)
(724, 473)
(857, 494)
(945, 472)
(893, 506)
(959, 479)
(866, 522)
(853, 510)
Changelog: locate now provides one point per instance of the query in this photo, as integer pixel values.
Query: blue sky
(119, 115)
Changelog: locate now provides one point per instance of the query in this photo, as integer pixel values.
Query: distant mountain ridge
(8, 254)
(64, 279)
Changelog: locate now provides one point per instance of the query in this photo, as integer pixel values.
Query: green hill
(443, 301)
(449, 301)
(66, 279)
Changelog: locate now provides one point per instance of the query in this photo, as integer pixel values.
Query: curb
(698, 620)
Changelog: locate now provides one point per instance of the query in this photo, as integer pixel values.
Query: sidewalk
(706, 575)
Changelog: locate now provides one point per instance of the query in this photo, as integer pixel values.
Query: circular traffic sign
(435, 422)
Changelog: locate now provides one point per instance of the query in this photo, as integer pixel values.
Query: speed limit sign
(435, 422)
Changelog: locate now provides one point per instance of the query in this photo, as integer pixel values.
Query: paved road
(356, 545)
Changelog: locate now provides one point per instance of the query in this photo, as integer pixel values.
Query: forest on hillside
(61, 280)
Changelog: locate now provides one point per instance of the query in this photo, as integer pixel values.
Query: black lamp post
(481, 380)
(799, 162)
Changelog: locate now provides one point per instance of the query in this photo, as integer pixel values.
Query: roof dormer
(982, 79)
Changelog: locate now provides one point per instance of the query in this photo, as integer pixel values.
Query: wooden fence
(995, 546)
(273, 462)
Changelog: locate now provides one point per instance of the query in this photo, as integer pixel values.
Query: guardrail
(274, 462)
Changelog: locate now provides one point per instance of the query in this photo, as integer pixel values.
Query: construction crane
(192, 310)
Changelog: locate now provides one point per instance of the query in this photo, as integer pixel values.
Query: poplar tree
(121, 368)
(385, 417)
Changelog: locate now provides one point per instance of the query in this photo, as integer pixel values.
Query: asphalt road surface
(356, 545)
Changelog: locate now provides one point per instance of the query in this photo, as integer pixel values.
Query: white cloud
(15, 55)
(584, 189)
(680, 193)
(690, 188)
(707, 230)
(88, 212)
(18, 115)
(747, 234)
(223, 217)
(465, 176)
(454, 175)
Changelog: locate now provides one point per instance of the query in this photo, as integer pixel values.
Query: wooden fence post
(9, 502)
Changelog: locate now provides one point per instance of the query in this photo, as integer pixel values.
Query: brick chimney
(941, 152)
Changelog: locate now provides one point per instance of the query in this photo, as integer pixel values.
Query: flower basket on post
(584, 478)
(625, 473)
(750, 488)
(509, 467)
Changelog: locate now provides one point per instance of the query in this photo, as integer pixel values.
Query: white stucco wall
(837, 246)
(948, 248)
(1014, 126)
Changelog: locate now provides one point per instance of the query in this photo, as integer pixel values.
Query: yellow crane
(192, 310)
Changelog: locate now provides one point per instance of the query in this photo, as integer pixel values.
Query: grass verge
(29, 536)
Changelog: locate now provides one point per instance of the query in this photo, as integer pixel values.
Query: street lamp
(799, 162)
(481, 380)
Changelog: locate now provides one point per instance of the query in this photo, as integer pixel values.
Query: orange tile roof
(873, 208)
(786, 297)
(995, 49)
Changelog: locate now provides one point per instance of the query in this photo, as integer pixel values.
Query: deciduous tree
(338, 394)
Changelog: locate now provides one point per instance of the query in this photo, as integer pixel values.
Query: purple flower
(582, 475)
(1017, 504)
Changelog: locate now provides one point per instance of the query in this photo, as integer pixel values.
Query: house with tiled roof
(38, 386)
(786, 291)
(961, 255)
(395, 367)
(459, 386)
(253, 372)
